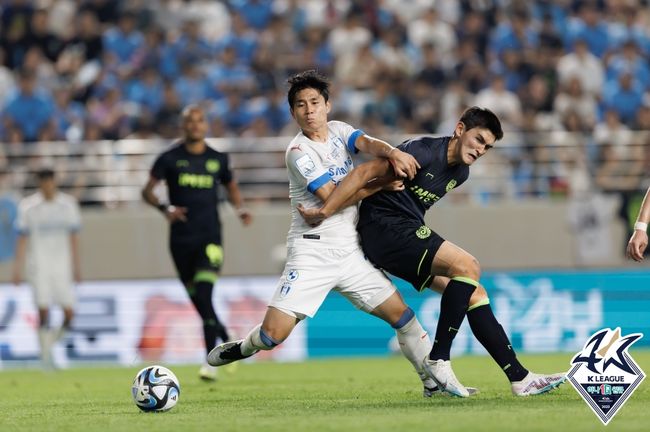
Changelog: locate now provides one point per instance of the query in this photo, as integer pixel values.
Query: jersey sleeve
(348, 134)
(419, 149)
(225, 173)
(159, 168)
(307, 169)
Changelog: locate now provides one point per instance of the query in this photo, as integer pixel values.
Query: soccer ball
(155, 389)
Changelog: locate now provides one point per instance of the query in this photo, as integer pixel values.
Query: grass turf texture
(378, 394)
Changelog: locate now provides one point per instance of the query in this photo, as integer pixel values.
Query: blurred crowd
(569, 79)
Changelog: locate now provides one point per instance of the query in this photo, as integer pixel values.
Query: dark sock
(212, 328)
(453, 307)
(491, 335)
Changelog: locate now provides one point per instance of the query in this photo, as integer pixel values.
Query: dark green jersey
(433, 180)
(193, 182)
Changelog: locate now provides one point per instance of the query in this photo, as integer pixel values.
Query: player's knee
(468, 267)
(479, 296)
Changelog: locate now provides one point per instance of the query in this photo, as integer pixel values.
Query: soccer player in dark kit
(193, 172)
(395, 237)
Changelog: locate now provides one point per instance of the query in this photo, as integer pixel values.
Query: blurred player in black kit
(193, 172)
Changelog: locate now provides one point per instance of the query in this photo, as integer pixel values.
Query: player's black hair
(484, 118)
(45, 174)
(307, 79)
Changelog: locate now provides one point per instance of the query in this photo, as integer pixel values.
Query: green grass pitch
(378, 394)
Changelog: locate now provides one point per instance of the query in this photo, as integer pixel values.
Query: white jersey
(312, 164)
(48, 225)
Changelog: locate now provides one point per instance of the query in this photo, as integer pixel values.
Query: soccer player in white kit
(47, 223)
(328, 257)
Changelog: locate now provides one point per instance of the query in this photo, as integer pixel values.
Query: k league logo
(604, 373)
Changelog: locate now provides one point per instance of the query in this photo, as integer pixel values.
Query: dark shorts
(192, 257)
(404, 247)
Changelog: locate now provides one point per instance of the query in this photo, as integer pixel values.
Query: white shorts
(310, 274)
(53, 288)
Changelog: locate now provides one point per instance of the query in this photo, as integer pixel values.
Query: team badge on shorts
(423, 232)
(292, 275)
(286, 287)
(604, 373)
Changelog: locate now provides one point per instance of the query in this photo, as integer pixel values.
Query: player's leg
(64, 296)
(413, 340)
(464, 271)
(44, 337)
(489, 332)
(42, 299)
(200, 291)
(371, 291)
(197, 274)
(307, 278)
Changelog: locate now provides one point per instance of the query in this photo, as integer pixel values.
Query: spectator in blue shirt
(68, 116)
(28, 114)
(228, 73)
(124, 40)
(624, 96)
(257, 13)
(590, 28)
(192, 87)
(233, 112)
(241, 38)
(629, 61)
(146, 89)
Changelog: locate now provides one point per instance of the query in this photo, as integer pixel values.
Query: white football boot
(443, 375)
(534, 384)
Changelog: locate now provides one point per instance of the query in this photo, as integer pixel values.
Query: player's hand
(637, 245)
(245, 216)
(405, 165)
(313, 216)
(175, 214)
(16, 277)
(394, 186)
(76, 274)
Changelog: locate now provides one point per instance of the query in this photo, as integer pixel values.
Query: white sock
(415, 345)
(58, 334)
(253, 342)
(45, 341)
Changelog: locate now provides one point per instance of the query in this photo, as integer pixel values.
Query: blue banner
(541, 311)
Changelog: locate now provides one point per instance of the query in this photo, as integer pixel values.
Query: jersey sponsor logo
(452, 184)
(212, 166)
(197, 181)
(305, 165)
(292, 275)
(423, 232)
(604, 372)
(423, 194)
(337, 171)
(182, 163)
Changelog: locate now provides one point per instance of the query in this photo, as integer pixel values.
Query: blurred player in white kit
(48, 223)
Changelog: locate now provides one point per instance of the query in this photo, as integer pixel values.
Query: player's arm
(639, 240)
(404, 164)
(19, 259)
(360, 183)
(234, 197)
(172, 213)
(74, 250)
